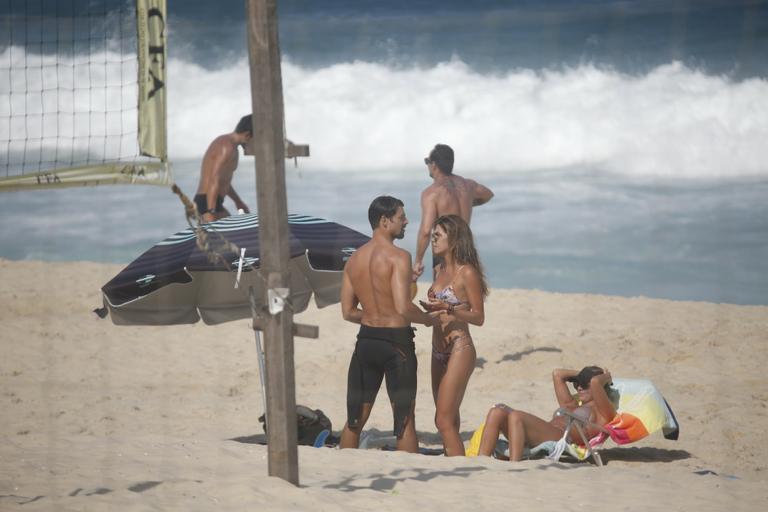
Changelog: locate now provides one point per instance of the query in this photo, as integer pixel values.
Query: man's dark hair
(245, 125)
(383, 206)
(442, 156)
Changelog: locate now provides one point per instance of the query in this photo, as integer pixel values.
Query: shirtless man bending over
(449, 194)
(375, 293)
(219, 164)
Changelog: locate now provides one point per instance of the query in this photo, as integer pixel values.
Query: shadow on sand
(388, 481)
(517, 356)
(642, 454)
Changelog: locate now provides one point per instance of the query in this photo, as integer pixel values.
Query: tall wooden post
(269, 148)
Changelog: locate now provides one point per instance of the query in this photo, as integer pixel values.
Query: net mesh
(69, 86)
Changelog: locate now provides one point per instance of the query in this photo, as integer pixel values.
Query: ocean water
(625, 141)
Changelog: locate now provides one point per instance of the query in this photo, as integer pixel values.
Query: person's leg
(464, 346)
(350, 438)
(438, 370)
(400, 372)
(495, 423)
(524, 429)
(409, 441)
(363, 382)
(449, 397)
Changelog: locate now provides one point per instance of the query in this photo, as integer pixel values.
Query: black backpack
(310, 423)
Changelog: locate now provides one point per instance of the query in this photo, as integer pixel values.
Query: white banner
(150, 21)
(132, 173)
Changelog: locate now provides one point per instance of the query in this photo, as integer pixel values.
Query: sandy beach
(100, 417)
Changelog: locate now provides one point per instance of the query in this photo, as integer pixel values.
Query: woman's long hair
(462, 245)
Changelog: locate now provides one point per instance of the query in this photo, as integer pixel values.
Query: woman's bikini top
(447, 294)
(584, 412)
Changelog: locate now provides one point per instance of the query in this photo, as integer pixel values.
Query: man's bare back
(450, 194)
(371, 271)
(219, 164)
(453, 195)
(377, 278)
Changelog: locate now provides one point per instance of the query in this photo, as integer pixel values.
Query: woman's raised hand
(433, 305)
(604, 378)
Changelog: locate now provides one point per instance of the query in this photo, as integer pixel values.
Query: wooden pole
(269, 148)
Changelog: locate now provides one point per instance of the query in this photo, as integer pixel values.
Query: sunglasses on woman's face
(581, 387)
(427, 160)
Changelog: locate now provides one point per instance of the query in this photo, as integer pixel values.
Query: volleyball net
(82, 93)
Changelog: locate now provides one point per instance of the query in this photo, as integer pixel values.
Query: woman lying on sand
(456, 299)
(523, 429)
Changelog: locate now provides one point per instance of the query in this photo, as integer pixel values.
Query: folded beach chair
(641, 411)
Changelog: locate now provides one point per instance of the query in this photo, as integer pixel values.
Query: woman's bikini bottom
(457, 344)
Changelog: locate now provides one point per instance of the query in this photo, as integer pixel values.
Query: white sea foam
(672, 122)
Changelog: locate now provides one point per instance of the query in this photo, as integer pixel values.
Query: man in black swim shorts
(201, 201)
(375, 293)
(219, 164)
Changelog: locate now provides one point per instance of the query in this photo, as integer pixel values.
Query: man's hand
(208, 217)
(239, 203)
(418, 269)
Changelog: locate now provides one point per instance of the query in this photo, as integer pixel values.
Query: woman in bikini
(456, 299)
(524, 429)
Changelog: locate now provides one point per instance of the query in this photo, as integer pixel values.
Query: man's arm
(428, 217)
(215, 166)
(349, 301)
(239, 204)
(401, 291)
(482, 195)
